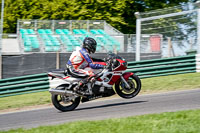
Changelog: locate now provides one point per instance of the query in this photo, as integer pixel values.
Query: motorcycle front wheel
(65, 103)
(135, 87)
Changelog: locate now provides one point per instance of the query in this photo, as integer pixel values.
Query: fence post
(198, 31)
(57, 60)
(1, 40)
(138, 35)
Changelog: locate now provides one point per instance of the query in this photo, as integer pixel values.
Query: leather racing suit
(78, 60)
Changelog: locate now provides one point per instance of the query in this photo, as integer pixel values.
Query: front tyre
(135, 87)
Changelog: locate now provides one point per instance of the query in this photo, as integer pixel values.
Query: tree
(118, 13)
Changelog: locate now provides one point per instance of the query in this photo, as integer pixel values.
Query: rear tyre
(135, 87)
(64, 103)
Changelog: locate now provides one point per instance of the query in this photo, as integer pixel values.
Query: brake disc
(131, 84)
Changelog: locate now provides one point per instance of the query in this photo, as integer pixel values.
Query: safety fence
(144, 69)
(163, 67)
(23, 85)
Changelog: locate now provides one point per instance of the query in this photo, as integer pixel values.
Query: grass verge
(149, 85)
(170, 122)
(21, 101)
(171, 83)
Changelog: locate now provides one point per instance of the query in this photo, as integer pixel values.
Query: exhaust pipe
(61, 92)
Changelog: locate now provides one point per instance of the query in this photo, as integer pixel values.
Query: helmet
(90, 44)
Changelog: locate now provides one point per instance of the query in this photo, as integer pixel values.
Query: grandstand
(65, 36)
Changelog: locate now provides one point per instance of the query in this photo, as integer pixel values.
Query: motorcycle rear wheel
(63, 103)
(60, 105)
(124, 92)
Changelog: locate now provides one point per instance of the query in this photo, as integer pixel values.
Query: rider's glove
(109, 67)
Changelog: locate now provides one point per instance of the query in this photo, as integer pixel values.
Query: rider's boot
(79, 88)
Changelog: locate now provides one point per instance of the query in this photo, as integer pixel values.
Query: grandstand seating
(106, 40)
(51, 42)
(54, 40)
(30, 40)
(62, 31)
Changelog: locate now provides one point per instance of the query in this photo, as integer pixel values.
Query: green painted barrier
(24, 84)
(23, 77)
(163, 67)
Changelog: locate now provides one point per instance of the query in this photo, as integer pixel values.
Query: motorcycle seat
(58, 73)
(75, 75)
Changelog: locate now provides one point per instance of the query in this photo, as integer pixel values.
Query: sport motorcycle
(111, 80)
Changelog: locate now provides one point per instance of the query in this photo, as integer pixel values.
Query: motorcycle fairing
(126, 75)
(114, 79)
(120, 67)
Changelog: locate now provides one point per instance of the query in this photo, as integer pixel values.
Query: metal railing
(179, 27)
(23, 85)
(163, 67)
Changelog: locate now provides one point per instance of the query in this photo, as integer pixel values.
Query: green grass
(20, 101)
(171, 83)
(149, 85)
(171, 122)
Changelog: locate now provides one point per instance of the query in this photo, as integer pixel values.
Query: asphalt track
(104, 109)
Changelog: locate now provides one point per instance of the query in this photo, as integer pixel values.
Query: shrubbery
(118, 13)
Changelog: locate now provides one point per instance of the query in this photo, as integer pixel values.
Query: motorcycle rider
(79, 59)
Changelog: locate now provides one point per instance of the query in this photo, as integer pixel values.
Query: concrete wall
(10, 46)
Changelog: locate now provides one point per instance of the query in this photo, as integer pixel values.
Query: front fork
(126, 84)
(125, 77)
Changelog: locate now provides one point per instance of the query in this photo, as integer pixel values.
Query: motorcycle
(105, 82)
